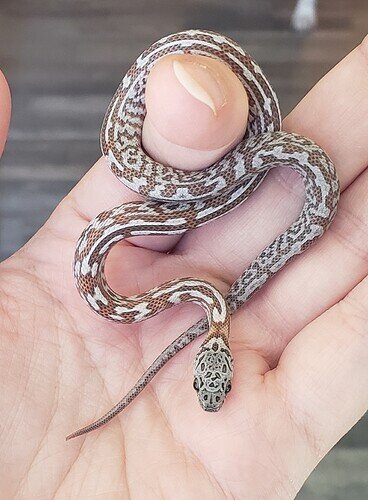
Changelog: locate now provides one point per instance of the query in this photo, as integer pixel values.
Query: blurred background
(64, 59)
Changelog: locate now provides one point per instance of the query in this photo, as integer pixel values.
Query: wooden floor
(64, 60)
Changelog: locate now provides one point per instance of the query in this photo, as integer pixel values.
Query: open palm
(300, 345)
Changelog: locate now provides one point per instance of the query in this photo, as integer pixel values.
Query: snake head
(213, 371)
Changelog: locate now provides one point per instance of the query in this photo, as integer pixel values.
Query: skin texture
(300, 345)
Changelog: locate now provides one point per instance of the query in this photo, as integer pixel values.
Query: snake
(176, 201)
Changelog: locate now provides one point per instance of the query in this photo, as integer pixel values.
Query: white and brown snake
(178, 201)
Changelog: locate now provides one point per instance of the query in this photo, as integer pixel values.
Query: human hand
(300, 345)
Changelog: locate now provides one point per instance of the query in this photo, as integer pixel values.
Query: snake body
(178, 201)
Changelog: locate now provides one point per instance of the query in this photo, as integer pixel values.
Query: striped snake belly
(177, 201)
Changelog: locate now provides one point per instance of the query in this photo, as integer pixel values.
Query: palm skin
(300, 345)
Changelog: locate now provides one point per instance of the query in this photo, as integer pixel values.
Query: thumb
(5, 108)
(197, 110)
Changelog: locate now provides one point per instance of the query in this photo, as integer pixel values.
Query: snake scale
(177, 201)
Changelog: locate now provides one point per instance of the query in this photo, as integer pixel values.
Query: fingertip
(5, 110)
(197, 110)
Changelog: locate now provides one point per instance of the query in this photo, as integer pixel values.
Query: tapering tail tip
(73, 435)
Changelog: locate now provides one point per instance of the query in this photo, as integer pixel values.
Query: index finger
(334, 114)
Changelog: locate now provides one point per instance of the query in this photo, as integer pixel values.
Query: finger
(318, 280)
(196, 111)
(332, 114)
(323, 374)
(246, 231)
(343, 134)
(5, 110)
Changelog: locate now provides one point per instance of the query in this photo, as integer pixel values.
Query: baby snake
(180, 200)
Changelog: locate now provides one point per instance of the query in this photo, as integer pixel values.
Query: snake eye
(195, 384)
(228, 388)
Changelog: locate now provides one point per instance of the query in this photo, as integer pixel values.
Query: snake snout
(212, 405)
